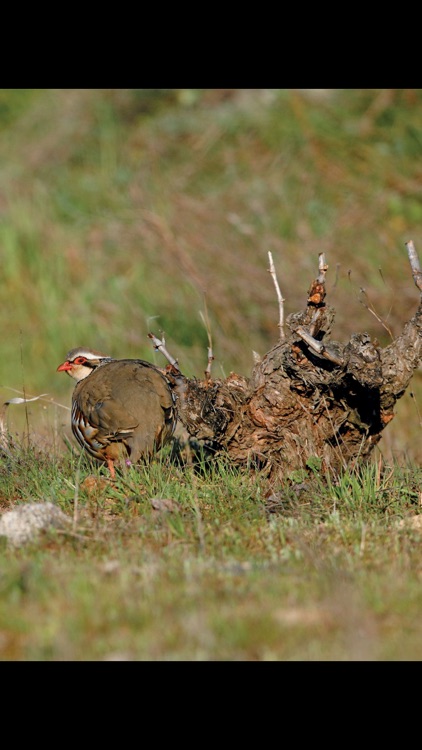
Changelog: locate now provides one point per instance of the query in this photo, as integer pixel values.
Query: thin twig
(23, 400)
(279, 297)
(206, 322)
(41, 398)
(372, 311)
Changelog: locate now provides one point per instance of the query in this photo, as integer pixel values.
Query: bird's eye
(80, 360)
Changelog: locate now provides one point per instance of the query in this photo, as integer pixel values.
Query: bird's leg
(110, 464)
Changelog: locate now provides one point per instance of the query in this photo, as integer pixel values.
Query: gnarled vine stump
(309, 396)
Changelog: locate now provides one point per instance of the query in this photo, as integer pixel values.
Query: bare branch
(160, 345)
(210, 361)
(279, 297)
(316, 294)
(414, 264)
(322, 267)
(318, 347)
(206, 322)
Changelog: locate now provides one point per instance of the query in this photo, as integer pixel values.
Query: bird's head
(80, 362)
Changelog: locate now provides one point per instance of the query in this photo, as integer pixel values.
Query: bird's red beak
(65, 366)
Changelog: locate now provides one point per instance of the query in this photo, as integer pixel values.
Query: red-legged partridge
(123, 410)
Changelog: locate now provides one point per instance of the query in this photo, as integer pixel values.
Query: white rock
(23, 524)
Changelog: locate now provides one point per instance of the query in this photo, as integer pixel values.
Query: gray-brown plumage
(123, 410)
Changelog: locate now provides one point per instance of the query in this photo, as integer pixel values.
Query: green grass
(227, 568)
(126, 211)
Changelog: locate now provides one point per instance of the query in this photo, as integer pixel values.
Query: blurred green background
(125, 211)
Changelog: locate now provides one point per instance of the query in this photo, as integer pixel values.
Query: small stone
(24, 523)
(165, 504)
